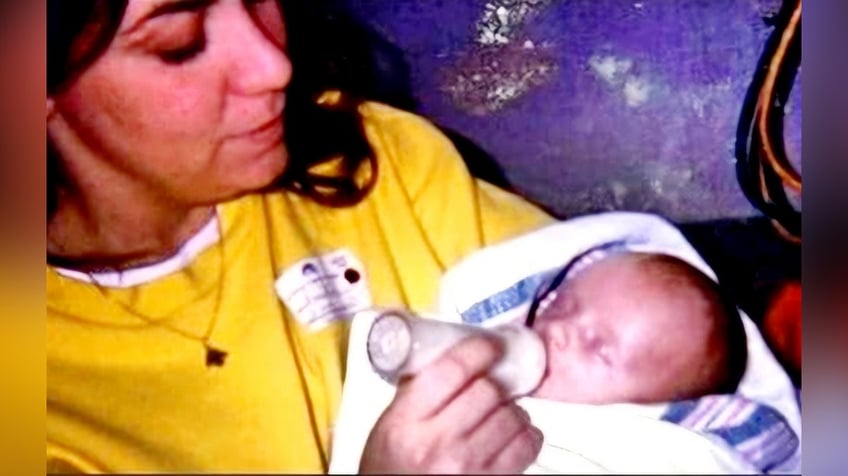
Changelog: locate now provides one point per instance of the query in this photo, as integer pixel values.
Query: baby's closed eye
(596, 344)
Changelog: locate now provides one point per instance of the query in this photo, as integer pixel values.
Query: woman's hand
(451, 418)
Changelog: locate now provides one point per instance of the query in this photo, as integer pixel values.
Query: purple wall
(590, 105)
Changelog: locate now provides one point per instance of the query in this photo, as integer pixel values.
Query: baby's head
(639, 328)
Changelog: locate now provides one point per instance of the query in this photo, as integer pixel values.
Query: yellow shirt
(127, 395)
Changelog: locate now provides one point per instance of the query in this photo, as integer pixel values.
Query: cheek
(582, 382)
(576, 368)
(175, 108)
(143, 104)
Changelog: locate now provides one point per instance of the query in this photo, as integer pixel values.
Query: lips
(266, 130)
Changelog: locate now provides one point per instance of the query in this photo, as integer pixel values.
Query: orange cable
(780, 165)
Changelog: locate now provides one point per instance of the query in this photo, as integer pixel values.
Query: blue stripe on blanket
(763, 419)
(678, 411)
(775, 443)
(774, 451)
(777, 440)
(516, 295)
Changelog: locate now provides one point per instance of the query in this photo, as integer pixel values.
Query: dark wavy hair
(328, 52)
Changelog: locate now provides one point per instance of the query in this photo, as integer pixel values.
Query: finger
(472, 405)
(496, 432)
(425, 394)
(521, 451)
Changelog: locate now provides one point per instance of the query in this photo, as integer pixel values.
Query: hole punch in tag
(323, 289)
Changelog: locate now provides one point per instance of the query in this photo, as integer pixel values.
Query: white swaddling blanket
(496, 284)
(580, 439)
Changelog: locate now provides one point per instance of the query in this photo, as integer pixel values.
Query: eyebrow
(170, 7)
(553, 283)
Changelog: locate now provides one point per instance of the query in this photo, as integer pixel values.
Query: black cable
(759, 181)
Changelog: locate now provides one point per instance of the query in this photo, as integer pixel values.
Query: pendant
(214, 357)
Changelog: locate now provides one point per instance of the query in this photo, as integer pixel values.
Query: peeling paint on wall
(488, 78)
(614, 71)
(636, 91)
(609, 68)
(503, 65)
(592, 105)
(767, 8)
(503, 18)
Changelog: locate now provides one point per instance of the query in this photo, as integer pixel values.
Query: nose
(259, 61)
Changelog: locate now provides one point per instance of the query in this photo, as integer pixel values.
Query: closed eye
(604, 353)
(596, 345)
(182, 54)
(175, 38)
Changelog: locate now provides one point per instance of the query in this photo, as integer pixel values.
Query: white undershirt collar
(199, 242)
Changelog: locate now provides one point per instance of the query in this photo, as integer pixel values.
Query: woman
(204, 255)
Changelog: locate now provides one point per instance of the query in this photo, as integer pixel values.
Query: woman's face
(186, 102)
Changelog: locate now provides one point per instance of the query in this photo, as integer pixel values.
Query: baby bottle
(401, 343)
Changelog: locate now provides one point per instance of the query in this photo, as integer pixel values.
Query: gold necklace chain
(215, 356)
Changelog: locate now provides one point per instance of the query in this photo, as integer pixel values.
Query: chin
(260, 172)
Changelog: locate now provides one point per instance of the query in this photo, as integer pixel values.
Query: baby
(638, 328)
(649, 369)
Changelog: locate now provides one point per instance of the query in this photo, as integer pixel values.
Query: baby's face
(614, 335)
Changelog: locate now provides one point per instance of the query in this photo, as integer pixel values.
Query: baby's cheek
(656, 385)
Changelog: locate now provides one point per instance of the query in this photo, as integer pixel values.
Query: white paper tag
(323, 289)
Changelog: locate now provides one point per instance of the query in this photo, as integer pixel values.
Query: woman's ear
(51, 107)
